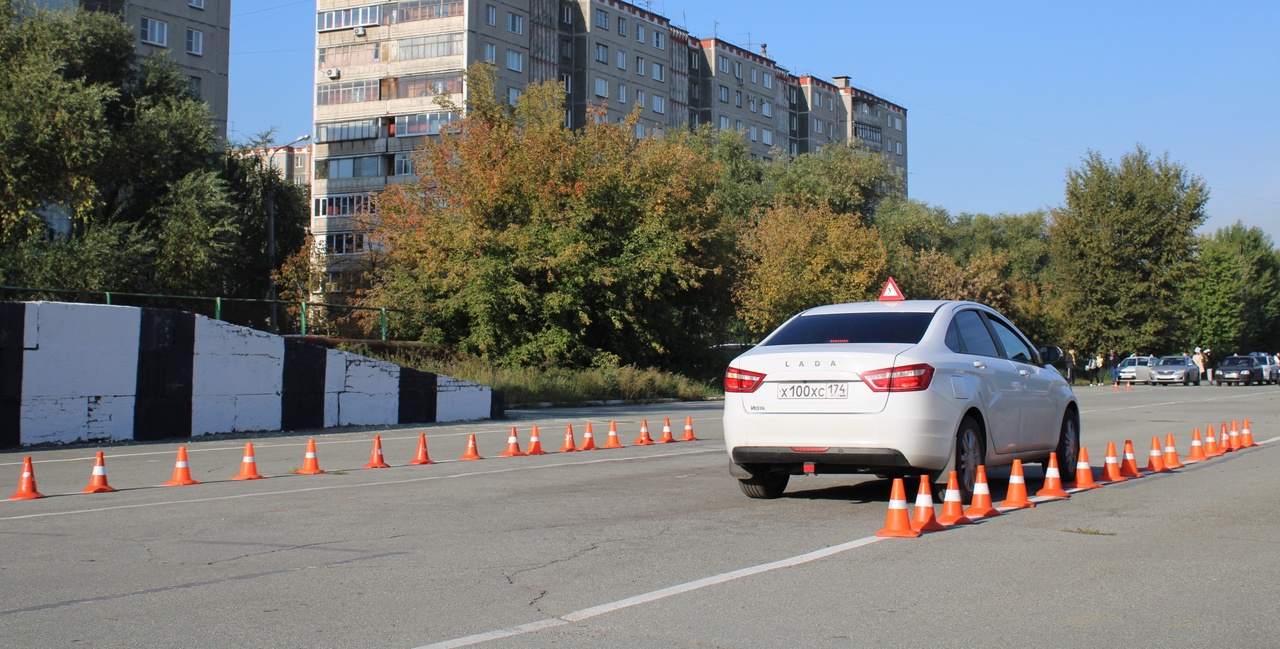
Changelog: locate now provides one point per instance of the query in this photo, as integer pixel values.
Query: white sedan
(895, 388)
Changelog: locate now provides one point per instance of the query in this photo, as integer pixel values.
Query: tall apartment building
(381, 66)
(196, 34)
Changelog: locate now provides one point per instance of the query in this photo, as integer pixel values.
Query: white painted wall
(79, 372)
(458, 400)
(369, 392)
(238, 378)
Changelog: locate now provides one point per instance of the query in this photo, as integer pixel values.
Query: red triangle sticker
(890, 292)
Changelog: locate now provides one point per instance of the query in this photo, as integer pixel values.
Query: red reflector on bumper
(810, 449)
(809, 468)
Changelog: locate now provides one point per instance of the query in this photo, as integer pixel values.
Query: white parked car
(894, 389)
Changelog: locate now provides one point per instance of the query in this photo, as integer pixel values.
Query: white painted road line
(645, 598)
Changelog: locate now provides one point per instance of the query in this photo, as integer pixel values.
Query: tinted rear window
(1235, 360)
(853, 328)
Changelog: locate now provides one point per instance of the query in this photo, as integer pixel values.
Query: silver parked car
(894, 389)
(1175, 369)
(1135, 369)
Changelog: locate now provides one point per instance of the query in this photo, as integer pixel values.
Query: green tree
(527, 243)
(1122, 248)
(1233, 300)
(841, 179)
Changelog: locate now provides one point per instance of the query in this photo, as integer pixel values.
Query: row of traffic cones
(311, 463)
(1161, 459)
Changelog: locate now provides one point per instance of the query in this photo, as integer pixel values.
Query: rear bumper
(833, 460)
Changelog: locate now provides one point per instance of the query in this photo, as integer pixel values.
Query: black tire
(1068, 449)
(969, 454)
(764, 485)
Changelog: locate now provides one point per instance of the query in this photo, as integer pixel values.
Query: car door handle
(980, 365)
(1024, 372)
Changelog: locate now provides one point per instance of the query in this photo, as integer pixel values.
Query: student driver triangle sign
(890, 292)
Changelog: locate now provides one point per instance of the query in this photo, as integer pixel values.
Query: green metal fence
(302, 318)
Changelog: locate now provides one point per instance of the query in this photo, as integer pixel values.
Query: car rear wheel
(764, 485)
(1068, 449)
(969, 455)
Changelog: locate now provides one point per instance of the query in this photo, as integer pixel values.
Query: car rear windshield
(1237, 360)
(852, 328)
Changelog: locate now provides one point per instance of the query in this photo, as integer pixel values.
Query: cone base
(511, 454)
(612, 444)
(1086, 487)
(931, 526)
(645, 443)
(977, 513)
(421, 462)
(569, 450)
(97, 489)
(377, 465)
(309, 471)
(952, 521)
(470, 457)
(1056, 494)
(899, 534)
(538, 452)
(179, 483)
(248, 477)
(28, 495)
(1025, 504)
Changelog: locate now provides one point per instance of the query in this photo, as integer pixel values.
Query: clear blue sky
(1002, 97)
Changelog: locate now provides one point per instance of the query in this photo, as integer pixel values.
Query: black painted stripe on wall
(166, 369)
(12, 332)
(302, 393)
(418, 391)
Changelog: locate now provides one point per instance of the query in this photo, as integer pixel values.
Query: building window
(751, 104)
(344, 243)
(341, 205)
(424, 85)
(622, 60)
(338, 131)
(491, 15)
(198, 4)
(639, 33)
(566, 15)
(737, 125)
(515, 60)
(817, 126)
(566, 48)
(766, 136)
(347, 18)
(602, 19)
(358, 54)
(768, 80)
(412, 10)
(362, 167)
(660, 40)
(737, 69)
(753, 75)
(622, 94)
(659, 72)
(195, 42)
(897, 146)
(427, 47)
(404, 164)
(423, 123)
(622, 26)
(640, 97)
(155, 32)
(490, 53)
(659, 105)
(724, 123)
(737, 98)
(349, 92)
(640, 65)
(897, 123)
(602, 87)
(722, 63)
(766, 109)
(566, 80)
(513, 96)
(602, 52)
(515, 23)
(724, 94)
(693, 60)
(753, 135)
(196, 87)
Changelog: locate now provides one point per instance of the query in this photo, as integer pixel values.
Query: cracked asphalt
(648, 546)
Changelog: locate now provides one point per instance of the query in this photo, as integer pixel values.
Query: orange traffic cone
(1111, 466)
(588, 439)
(535, 443)
(310, 462)
(1053, 481)
(513, 445)
(952, 507)
(27, 483)
(1171, 460)
(1246, 436)
(1211, 448)
(248, 465)
(1156, 462)
(181, 471)
(688, 430)
(1235, 436)
(1224, 439)
(569, 444)
(666, 432)
(421, 456)
(1116, 387)
(98, 479)
(471, 453)
(1197, 448)
(1129, 467)
(1128, 385)
(1016, 494)
(981, 506)
(644, 439)
(1084, 472)
(612, 440)
(924, 520)
(897, 523)
(375, 457)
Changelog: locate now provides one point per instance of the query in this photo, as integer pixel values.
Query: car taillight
(908, 378)
(736, 380)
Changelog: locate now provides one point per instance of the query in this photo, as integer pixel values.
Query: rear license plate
(813, 390)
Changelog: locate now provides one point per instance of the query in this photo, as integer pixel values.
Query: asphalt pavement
(645, 546)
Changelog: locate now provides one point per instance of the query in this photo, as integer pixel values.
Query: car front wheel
(969, 455)
(1068, 449)
(764, 485)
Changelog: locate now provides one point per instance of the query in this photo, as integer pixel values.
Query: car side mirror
(1050, 355)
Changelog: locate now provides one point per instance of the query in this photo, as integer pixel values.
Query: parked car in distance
(1266, 365)
(894, 389)
(1238, 370)
(1135, 369)
(1175, 369)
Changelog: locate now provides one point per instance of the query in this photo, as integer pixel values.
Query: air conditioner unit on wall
(333, 73)
(359, 31)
